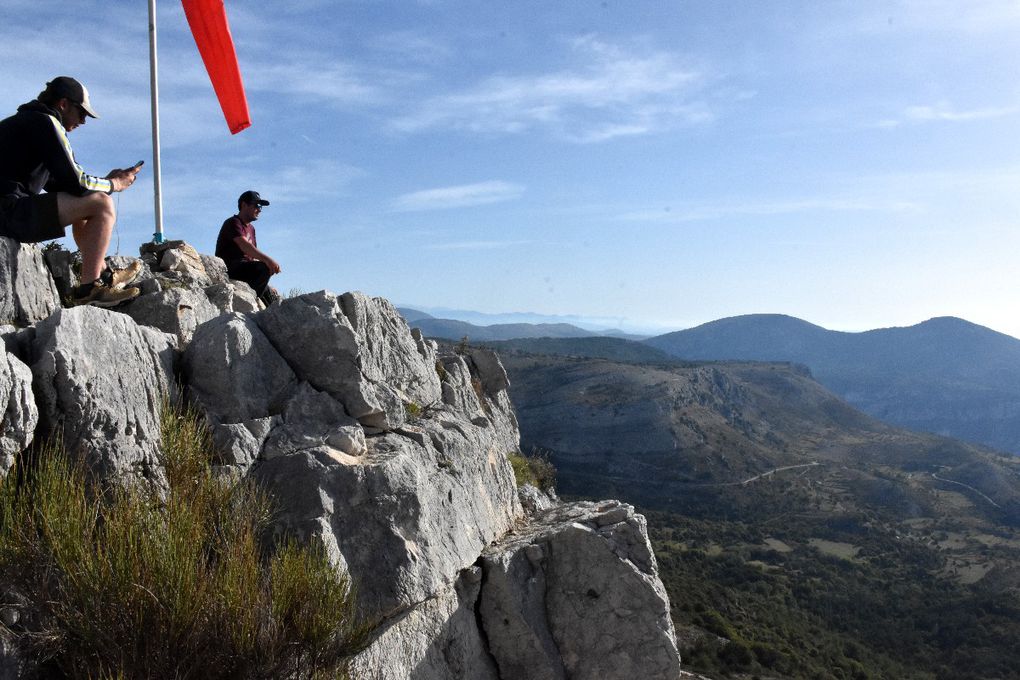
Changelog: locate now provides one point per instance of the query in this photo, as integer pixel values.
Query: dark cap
(66, 86)
(252, 197)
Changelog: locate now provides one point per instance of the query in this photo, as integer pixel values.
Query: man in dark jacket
(237, 246)
(35, 156)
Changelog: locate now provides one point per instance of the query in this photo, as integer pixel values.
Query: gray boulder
(233, 296)
(27, 291)
(536, 501)
(577, 595)
(240, 444)
(458, 392)
(215, 269)
(406, 517)
(573, 594)
(233, 371)
(485, 403)
(393, 354)
(357, 349)
(438, 639)
(311, 419)
(100, 380)
(177, 311)
(20, 414)
(489, 369)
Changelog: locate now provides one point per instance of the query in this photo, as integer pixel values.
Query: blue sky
(650, 165)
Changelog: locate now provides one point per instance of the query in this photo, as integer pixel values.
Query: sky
(645, 165)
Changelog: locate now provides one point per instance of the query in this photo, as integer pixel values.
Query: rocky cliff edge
(389, 454)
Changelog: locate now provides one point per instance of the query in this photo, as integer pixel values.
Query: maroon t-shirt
(226, 249)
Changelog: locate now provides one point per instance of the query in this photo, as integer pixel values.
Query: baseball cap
(66, 86)
(252, 197)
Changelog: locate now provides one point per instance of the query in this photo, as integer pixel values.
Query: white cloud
(412, 47)
(973, 16)
(944, 112)
(459, 196)
(476, 245)
(611, 93)
(715, 212)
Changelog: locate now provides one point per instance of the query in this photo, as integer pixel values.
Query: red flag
(208, 21)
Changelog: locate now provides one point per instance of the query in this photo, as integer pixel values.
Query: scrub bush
(144, 582)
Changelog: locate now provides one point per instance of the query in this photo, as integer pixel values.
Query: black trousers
(256, 274)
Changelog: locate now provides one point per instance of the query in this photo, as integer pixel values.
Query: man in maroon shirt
(237, 246)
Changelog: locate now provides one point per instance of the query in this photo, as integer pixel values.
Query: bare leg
(91, 218)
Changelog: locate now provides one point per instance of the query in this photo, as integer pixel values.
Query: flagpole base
(158, 237)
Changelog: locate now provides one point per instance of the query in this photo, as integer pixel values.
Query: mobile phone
(137, 165)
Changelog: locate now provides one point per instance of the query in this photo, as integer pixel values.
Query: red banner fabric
(208, 21)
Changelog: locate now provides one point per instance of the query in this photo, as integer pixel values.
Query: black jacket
(35, 155)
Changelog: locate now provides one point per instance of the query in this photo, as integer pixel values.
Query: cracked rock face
(100, 380)
(549, 612)
(572, 594)
(27, 291)
(357, 349)
(234, 372)
(20, 414)
(177, 311)
(403, 519)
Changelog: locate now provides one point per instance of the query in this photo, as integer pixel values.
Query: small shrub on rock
(535, 470)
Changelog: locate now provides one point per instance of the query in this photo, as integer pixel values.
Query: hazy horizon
(628, 326)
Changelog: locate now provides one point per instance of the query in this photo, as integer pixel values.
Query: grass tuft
(172, 583)
(535, 470)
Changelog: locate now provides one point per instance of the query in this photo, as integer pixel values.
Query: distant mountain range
(455, 329)
(945, 375)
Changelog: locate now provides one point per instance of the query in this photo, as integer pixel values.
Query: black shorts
(30, 219)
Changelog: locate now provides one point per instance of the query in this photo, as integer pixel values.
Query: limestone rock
(215, 269)
(489, 369)
(18, 341)
(27, 291)
(234, 372)
(457, 389)
(185, 259)
(177, 311)
(578, 596)
(60, 264)
(357, 349)
(100, 380)
(534, 500)
(438, 639)
(405, 518)
(395, 354)
(310, 419)
(233, 296)
(20, 414)
(240, 444)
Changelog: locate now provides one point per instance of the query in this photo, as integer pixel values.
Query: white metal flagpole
(157, 180)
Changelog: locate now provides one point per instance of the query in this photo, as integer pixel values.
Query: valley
(798, 537)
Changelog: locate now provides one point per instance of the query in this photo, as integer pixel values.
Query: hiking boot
(102, 295)
(118, 278)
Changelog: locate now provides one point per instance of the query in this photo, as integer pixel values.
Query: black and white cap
(66, 86)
